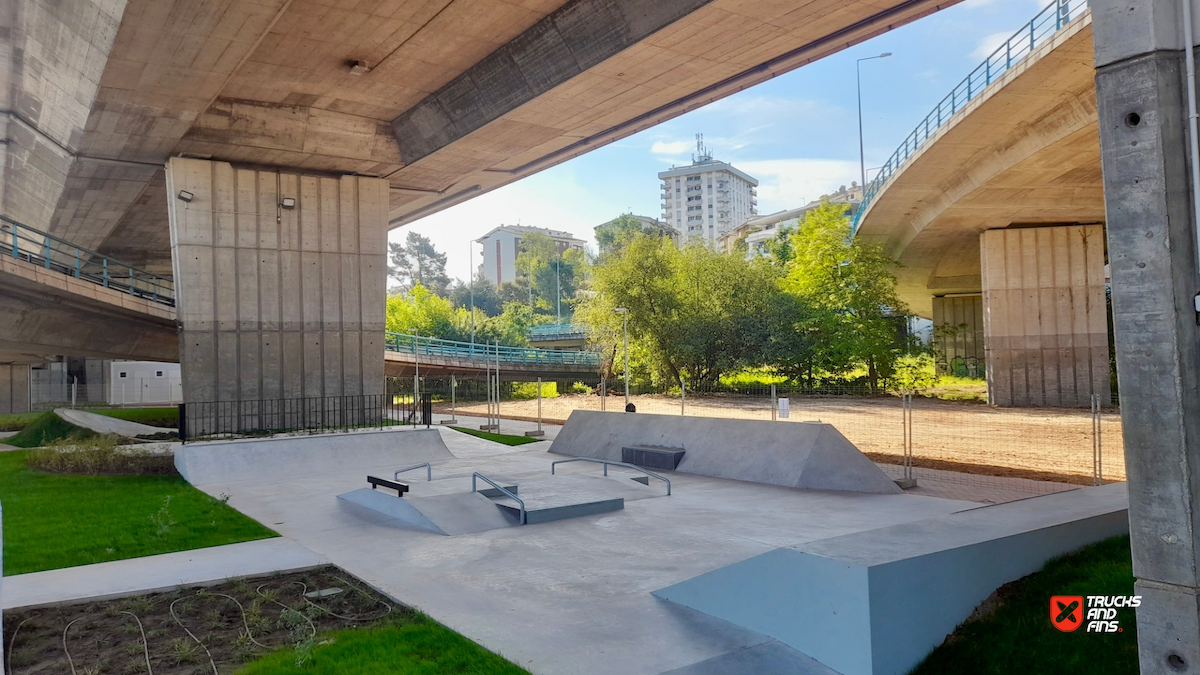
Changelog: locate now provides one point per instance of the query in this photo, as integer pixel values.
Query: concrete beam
(570, 40)
(1152, 248)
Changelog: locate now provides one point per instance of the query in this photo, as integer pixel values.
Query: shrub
(99, 455)
(528, 390)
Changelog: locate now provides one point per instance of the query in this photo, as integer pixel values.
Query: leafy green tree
(849, 291)
(613, 236)
(553, 277)
(486, 295)
(693, 313)
(417, 262)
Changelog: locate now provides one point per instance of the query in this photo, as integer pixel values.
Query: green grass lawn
(17, 421)
(155, 417)
(53, 521)
(499, 438)
(408, 646)
(1018, 637)
(47, 428)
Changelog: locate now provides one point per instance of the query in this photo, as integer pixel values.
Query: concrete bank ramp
(296, 456)
(451, 514)
(877, 602)
(792, 454)
(103, 424)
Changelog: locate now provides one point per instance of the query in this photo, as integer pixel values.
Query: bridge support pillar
(1045, 316)
(14, 388)
(280, 288)
(1141, 94)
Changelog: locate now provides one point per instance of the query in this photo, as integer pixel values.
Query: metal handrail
(425, 346)
(501, 489)
(606, 462)
(46, 250)
(556, 330)
(1046, 23)
(428, 472)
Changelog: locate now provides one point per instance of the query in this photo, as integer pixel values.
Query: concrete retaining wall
(793, 454)
(877, 602)
(297, 456)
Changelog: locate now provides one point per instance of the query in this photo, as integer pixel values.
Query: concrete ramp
(792, 454)
(450, 514)
(297, 456)
(103, 424)
(877, 602)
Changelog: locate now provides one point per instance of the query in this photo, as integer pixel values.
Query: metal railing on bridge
(564, 331)
(404, 343)
(22, 242)
(1048, 22)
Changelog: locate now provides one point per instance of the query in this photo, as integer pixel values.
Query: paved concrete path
(104, 424)
(157, 572)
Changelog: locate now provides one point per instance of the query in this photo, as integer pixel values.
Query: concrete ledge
(149, 574)
(877, 602)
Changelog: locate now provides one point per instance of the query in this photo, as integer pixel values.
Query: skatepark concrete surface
(569, 596)
(103, 424)
(574, 596)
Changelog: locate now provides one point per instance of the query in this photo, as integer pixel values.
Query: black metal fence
(208, 420)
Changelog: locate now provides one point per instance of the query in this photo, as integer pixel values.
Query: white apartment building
(502, 244)
(707, 198)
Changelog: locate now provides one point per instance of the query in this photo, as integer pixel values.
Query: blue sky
(797, 133)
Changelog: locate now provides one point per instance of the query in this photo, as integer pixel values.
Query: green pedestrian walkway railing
(424, 346)
(1048, 22)
(22, 242)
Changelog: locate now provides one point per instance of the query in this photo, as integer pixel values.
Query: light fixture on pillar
(358, 67)
(288, 202)
(185, 196)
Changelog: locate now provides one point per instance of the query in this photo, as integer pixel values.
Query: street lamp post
(862, 164)
(625, 331)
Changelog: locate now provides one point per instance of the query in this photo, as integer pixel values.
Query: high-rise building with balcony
(707, 198)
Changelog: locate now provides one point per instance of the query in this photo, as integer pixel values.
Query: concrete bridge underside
(461, 96)
(997, 222)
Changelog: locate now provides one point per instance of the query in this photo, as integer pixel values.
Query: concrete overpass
(258, 152)
(994, 207)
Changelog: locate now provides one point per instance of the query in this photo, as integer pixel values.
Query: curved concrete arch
(1025, 151)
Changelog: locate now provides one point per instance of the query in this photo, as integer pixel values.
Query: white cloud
(670, 147)
(789, 183)
(989, 44)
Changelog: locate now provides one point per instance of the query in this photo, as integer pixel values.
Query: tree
(417, 262)
(693, 313)
(613, 236)
(554, 278)
(421, 311)
(486, 295)
(849, 293)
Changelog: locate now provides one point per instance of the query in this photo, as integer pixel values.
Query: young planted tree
(417, 262)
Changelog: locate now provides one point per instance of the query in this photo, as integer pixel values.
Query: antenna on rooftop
(702, 153)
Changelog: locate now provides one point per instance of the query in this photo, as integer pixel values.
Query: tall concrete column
(1045, 316)
(14, 388)
(1141, 92)
(274, 302)
(958, 334)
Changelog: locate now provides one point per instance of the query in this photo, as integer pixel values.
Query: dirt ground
(1041, 443)
(190, 631)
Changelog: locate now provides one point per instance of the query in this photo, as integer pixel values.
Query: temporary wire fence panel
(960, 450)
